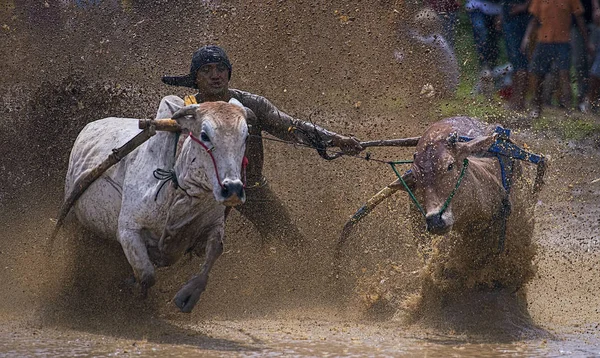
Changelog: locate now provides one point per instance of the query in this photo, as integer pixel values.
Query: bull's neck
(191, 175)
(163, 149)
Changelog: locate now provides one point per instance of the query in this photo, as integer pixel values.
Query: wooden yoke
(169, 125)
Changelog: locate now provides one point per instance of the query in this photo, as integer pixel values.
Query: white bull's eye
(204, 137)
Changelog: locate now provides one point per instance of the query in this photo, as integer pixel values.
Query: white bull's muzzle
(232, 192)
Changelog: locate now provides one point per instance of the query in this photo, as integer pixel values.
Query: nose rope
(410, 193)
(212, 157)
(412, 196)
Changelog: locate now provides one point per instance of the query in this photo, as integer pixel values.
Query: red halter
(209, 151)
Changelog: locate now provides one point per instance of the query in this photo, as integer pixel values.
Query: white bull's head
(212, 157)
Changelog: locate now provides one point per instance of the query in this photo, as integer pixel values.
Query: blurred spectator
(484, 19)
(552, 22)
(421, 45)
(447, 10)
(515, 19)
(591, 98)
(580, 56)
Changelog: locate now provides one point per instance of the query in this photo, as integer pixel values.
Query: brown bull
(458, 187)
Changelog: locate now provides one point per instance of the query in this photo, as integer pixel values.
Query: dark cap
(205, 55)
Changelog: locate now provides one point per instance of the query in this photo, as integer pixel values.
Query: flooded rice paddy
(267, 297)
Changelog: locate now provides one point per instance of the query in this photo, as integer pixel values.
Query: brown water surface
(315, 60)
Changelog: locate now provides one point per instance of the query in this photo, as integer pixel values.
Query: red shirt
(555, 18)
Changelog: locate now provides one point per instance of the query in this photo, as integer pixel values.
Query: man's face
(212, 79)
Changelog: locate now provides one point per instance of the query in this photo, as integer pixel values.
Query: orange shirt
(555, 18)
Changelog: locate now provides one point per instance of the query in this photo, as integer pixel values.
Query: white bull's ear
(476, 145)
(186, 116)
(236, 102)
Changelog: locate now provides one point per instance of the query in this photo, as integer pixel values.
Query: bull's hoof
(189, 294)
(145, 283)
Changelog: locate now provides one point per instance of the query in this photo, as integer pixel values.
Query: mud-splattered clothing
(270, 119)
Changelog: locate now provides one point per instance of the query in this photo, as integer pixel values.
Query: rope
(414, 198)
(165, 176)
(460, 178)
(410, 193)
(366, 157)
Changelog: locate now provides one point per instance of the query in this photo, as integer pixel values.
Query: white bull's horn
(186, 111)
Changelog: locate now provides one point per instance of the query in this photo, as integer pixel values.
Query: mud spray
(70, 65)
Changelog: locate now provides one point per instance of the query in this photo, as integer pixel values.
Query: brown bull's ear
(187, 116)
(409, 179)
(475, 146)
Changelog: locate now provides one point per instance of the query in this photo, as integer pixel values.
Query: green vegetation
(566, 125)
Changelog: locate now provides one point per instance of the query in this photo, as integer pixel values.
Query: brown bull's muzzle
(439, 223)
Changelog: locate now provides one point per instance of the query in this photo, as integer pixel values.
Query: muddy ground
(72, 65)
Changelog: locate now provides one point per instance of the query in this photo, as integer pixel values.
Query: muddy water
(260, 303)
(265, 297)
(292, 338)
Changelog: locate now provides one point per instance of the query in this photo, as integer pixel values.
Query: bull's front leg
(136, 252)
(189, 294)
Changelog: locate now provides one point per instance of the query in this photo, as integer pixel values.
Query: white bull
(156, 225)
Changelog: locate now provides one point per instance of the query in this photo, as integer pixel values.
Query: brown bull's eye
(450, 166)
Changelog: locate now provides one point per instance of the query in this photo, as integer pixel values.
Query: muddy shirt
(270, 119)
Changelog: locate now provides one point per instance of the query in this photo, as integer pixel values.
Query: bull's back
(98, 207)
(467, 126)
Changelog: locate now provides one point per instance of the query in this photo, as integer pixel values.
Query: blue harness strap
(507, 152)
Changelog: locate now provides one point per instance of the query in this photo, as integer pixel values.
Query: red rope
(209, 151)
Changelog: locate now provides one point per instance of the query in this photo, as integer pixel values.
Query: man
(551, 23)
(515, 19)
(210, 73)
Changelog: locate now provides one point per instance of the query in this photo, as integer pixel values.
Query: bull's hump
(223, 112)
(465, 126)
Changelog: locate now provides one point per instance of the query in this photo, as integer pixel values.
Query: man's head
(210, 54)
(209, 73)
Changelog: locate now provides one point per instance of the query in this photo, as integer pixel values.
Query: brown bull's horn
(368, 207)
(401, 142)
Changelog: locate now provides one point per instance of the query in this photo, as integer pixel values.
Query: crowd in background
(544, 40)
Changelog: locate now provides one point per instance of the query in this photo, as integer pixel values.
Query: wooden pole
(83, 183)
(169, 125)
(402, 142)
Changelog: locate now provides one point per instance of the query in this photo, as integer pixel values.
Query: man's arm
(533, 25)
(281, 125)
(517, 9)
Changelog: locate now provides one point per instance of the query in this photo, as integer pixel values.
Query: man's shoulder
(239, 94)
(248, 99)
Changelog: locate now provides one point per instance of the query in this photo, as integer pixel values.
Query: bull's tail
(368, 207)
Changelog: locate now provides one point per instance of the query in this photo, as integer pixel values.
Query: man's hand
(518, 9)
(348, 145)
